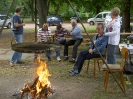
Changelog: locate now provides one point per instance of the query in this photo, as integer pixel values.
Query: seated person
(77, 39)
(100, 41)
(60, 33)
(44, 35)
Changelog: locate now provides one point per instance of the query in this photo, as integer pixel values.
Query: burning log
(30, 87)
(40, 88)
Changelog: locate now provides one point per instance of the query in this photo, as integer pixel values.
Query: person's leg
(75, 47)
(84, 55)
(16, 55)
(48, 56)
(111, 56)
(61, 41)
(19, 39)
(68, 43)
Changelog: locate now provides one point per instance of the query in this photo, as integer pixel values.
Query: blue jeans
(61, 41)
(48, 55)
(16, 57)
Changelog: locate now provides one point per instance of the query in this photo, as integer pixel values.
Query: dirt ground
(13, 79)
(85, 86)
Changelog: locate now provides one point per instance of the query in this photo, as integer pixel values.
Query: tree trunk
(42, 11)
(48, 6)
(32, 1)
(57, 9)
(98, 8)
(126, 16)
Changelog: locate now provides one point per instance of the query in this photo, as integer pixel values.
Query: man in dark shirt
(18, 35)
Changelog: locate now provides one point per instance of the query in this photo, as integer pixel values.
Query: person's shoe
(58, 59)
(12, 64)
(49, 59)
(66, 58)
(75, 73)
(20, 62)
(72, 70)
(72, 60)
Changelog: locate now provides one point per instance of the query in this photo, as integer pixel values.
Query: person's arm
(39, 39)
(65, 31)
(115, 29)
(91, 45)
(16, 24)
(55, 35)
(75, 31)
(39, 36)
(49, 35)
(19, 25)
(103, 45)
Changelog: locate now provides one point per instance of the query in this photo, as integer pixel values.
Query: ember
(40, 88)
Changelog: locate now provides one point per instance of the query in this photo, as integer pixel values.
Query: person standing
(113, 32)
(77, 39)
(18, 35)
(60, 33)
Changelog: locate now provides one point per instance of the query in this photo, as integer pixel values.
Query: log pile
(30, 88)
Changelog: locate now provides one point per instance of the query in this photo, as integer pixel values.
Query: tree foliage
(61, 7)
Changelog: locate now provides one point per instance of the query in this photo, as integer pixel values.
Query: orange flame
(43, 74)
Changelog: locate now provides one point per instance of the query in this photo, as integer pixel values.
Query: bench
(86, 40)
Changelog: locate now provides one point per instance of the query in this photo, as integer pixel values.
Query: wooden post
(6, 16)
(35, 21)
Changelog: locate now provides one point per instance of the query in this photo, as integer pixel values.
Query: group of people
(44, 35)
(107, 37)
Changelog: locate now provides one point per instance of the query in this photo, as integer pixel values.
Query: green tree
(126, 16)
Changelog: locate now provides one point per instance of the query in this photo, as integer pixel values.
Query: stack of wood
(30, 88)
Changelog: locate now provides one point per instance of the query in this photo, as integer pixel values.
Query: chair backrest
(124, 52)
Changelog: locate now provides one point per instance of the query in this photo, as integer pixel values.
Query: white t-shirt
(113, 32)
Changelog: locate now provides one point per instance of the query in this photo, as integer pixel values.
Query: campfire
(40, 88)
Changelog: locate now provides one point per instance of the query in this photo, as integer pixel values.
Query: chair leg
(94, 68)
(98, 65)
(87, 66)
(122, 80)
(106, 79)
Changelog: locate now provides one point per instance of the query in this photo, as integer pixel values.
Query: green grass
(28, 20)
(90, 29)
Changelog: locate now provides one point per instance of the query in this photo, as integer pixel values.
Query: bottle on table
(128, 43)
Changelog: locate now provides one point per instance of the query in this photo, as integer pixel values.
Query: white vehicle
(8, 21)
(108, 19)
(100, 17)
